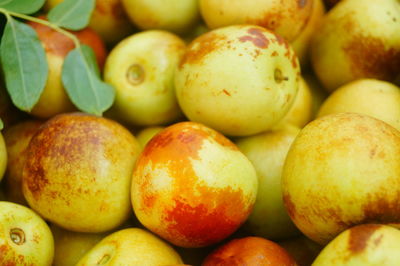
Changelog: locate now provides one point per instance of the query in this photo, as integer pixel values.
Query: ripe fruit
(249, 251)
(240, 80)
(25, 239)
(17, 138)
(145, 135)
(342, 170)
(141, 69)
(192, 186)
(366, 244)
(267, 152)
(54, 100)
(376, 98)
(132, 246)
(78, 171)
(174, 15)
(285, 17)
(356, 41)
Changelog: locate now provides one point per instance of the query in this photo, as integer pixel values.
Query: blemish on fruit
(360, 235)
(256, 37)
(226, 92)
(302, 3)
(274, 53)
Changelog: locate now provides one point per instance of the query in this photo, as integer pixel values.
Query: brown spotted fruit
(25, 238)
(249, 251)
(358, 40)
(54, 99)
(267, 152)
(141, 69)
(240, 80)
(342, 170)
(287, 18)
(366, 244)
(376, 98)
(176, 16)
(192, 186)
(78, 171)
(17, 138)
(108, 19)
(131, 246)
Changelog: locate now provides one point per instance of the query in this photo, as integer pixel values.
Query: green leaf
(1, 124)
(83, 84)
(24, 64)
(22, 6)
(72, 14)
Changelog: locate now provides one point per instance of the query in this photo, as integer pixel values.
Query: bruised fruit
(366, 244)
(25, 239)
(192, 186)
(17, 138)
(342, 170)
(131, 246)
(240, 80)
(249, 251)
(78, 171)
(141, 68)
(54, 99)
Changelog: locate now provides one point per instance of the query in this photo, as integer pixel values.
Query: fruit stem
(8, 15)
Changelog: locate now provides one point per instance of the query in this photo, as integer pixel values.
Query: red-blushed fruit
(192, 186)
(54, 100)
(17, 138)
(249, 251)
(78, 171)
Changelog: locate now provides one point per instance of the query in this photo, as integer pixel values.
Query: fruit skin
(131, 246)
(267, 152)
(108, 20)
(366, 244)
(37, 244)
(357, 41)
(376, 98)
(54, 99)
(245, 74)
(141, 69)
(160, 14)
(70, 247)
(342, 170)
(249, 251)
(78, 171)
(3, 156)
(192, 186)
(145, 135)
(285, 17)
(17, 138)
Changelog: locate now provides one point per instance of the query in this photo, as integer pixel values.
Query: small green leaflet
(83, 84)
(72, 14)
(1, 124)
(24, 64)
(22, 6)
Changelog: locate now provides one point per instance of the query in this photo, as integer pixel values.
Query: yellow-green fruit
(3, 157)
(285, 17)
(141, 69)
(78, 172)
(17, 138)
(356, 41)
(132, 246)
(174, 15)
(342, 170)
(376, 98)
(70, 247)
(300, 113)
(25, 239)
(240, 80)
(108, 19)
(301, 44)
(267, 151)
(367, 244)
(146, 134)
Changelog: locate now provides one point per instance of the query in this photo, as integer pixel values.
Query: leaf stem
(8, 13)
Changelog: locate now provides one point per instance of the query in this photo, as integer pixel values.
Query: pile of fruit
(200, 132)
